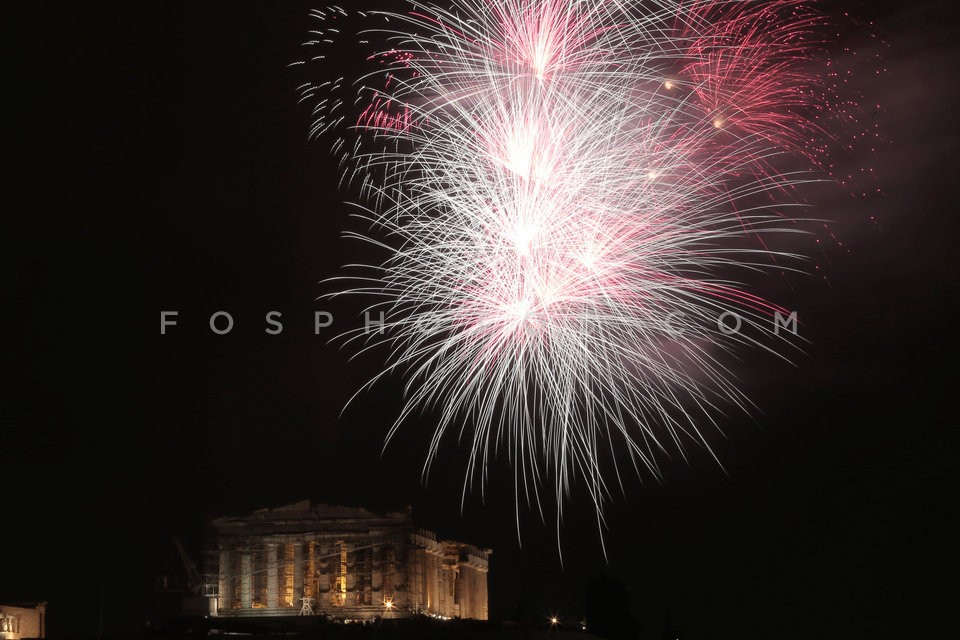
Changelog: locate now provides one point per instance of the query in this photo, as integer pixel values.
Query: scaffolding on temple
(342, 563)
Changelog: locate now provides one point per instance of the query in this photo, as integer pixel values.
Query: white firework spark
(562, 188)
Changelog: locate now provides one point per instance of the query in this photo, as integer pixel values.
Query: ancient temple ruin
(23, 621)
(341, 562)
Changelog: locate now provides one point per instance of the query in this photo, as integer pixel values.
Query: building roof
(312, 517)
(306, 514)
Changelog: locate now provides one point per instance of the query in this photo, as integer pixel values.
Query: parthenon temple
(341, 562)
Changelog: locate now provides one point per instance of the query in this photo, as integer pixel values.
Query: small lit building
(341, 562)
(23, 621)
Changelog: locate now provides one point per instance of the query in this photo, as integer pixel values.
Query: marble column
(246, 580)
(273, 597)
(298, 570)
(225, 586)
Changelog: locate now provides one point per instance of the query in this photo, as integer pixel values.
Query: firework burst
(562, 189)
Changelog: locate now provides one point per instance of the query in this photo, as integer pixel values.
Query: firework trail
(562, 189)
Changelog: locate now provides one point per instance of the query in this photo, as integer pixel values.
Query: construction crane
(194, 581)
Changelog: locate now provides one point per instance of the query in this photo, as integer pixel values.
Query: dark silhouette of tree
(608, 610)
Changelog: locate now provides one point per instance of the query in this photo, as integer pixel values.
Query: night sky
(165, 166)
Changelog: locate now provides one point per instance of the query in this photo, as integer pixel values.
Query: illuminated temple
(341, 562)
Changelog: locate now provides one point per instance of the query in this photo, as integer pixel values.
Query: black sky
(165, 166)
